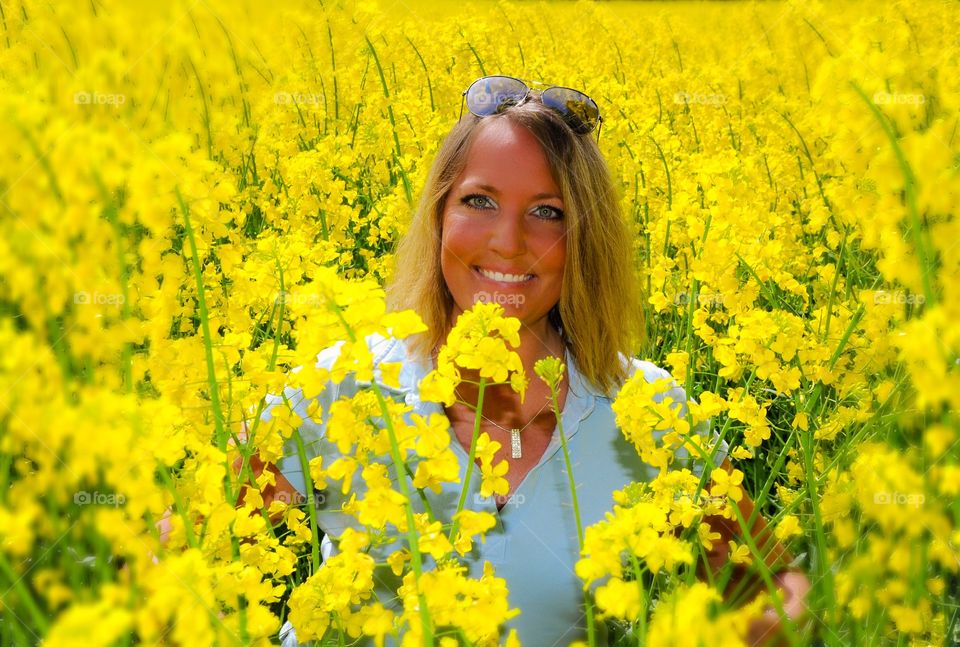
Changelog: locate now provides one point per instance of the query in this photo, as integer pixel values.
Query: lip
(476, 271)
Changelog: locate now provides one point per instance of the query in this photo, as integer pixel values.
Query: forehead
(507, 153)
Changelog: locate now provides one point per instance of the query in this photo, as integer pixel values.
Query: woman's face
(503, 227)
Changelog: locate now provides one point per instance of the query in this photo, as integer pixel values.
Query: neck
(535, 344)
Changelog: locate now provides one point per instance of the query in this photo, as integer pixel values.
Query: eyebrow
(539, 196)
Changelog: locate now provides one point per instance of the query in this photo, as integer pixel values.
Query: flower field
(198, 197)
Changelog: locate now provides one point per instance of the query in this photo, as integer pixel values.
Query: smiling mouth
(503, 278)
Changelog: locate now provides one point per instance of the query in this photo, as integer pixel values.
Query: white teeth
(507, 278)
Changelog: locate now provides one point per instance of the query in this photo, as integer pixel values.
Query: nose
(509, 236)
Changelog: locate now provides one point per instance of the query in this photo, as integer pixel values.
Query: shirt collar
(581, 395)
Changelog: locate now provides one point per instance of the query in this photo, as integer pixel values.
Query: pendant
(515, 443)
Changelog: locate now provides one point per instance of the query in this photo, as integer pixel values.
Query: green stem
(110, 211)
(588, 604)
(205, 329)
(764, 572)
(833, 285)
(420, 493)
(386, 94)
(640, 629)
(412, 539)
(910, 191)
(471, 458)
(219, 425)
(179, 506)
(16, 583)
(311, 508)
(399, 464)
(666, 169)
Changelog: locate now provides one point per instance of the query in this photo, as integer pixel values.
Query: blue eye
(477, 201)
(546, 212)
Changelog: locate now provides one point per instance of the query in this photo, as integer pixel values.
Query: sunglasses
(492, 95)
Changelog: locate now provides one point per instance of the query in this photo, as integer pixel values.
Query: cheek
(459, 237)
(554, 252)
(454, 244)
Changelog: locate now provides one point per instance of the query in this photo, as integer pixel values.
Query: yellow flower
(376, 621)
(390, 374)
(788, 527)
(486, 448)
(492, 481)
(727, 483)
(403, 324)
(317, 475)
(161, 274)
(550, 370)
(679, 362)
(434, 434)
(620, 599)
(707, 535)
(433, 472)
(481, 339)
(343, 470)
(470, 524)
(95, 623)
(431, 538)
(437, 386)
(740, 553)
(397, 559)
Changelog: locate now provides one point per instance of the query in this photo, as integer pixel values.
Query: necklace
(516, 451)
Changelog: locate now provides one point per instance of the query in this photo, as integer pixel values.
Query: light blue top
(534, 543)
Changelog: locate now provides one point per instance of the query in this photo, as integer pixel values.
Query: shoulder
(383, 350)
(631, 366)
(650, 372)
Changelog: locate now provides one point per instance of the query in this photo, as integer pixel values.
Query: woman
(520, 210)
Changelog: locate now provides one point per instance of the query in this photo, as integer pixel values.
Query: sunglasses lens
(493, 94)
(580, 111)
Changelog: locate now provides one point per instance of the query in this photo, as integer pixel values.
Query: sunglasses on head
(492, 95)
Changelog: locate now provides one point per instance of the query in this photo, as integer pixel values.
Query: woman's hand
(767, 629)
(279, 490)
(791, 583)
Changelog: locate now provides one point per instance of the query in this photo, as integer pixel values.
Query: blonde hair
(598, 315)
